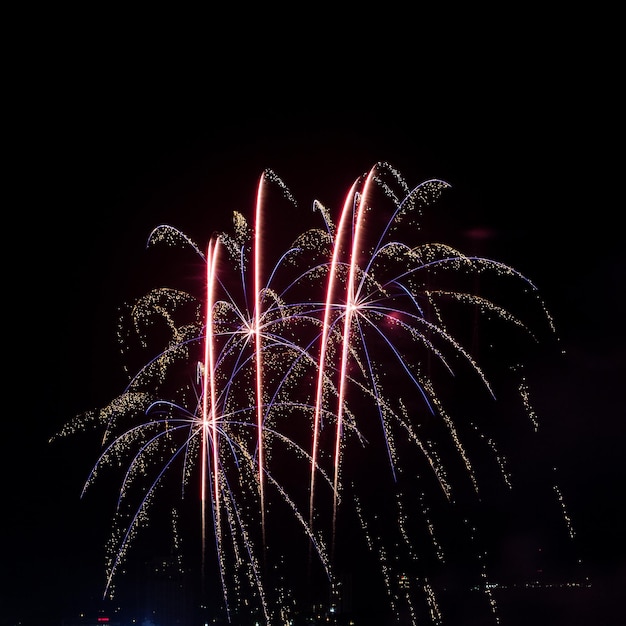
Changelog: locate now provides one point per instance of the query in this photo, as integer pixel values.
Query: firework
(306, 399)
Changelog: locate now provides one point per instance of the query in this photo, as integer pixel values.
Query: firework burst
(308, 398)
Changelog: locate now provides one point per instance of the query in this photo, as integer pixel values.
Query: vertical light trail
(351, 308)
(209, 424)
(258, 220)
(321, 371)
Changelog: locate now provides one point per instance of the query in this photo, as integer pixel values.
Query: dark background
(117, 125)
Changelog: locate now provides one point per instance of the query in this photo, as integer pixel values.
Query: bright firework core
(312, 397)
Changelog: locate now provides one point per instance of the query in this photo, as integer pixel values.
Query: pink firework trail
(209, 397)
(302, 367)
(258, 287)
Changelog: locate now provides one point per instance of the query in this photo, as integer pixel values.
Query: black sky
(114, 131)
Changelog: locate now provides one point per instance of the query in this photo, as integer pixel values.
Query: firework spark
(306, 395)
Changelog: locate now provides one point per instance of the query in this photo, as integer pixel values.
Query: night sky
(113, 133)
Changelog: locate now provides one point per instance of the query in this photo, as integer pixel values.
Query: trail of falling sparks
(258, 232)
(347, 325)
(209, 397)
(326, 325)
(351, 307)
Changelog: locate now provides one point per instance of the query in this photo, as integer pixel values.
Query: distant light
(103, 619)
(480, 233)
